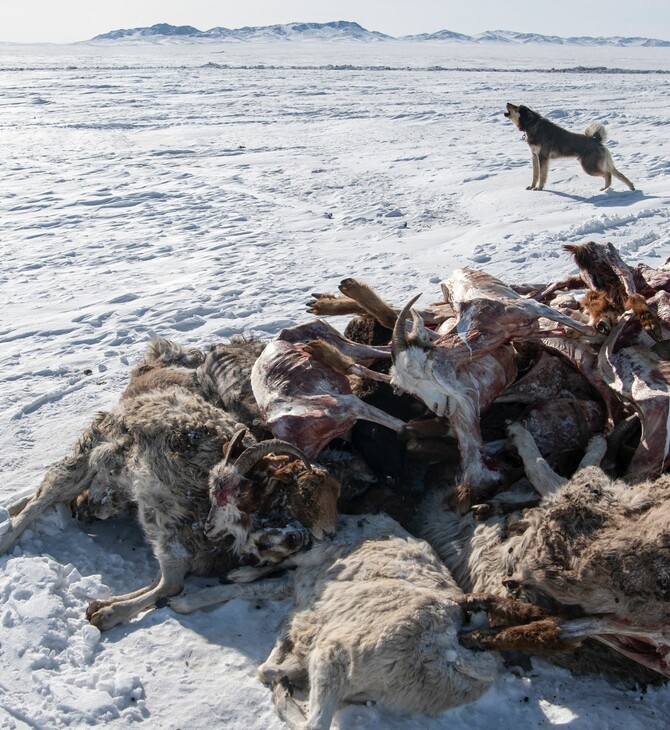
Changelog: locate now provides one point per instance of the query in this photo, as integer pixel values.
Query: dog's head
(521, 116)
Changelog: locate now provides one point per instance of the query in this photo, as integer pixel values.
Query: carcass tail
(166, 352)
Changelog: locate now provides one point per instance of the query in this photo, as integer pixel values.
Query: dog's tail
(597, 131)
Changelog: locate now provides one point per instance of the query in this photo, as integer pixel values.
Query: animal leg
(500, 610)
(116, 611)
(366, 412)
(328, 670)
(321, 330)
(536, 172)
(650, 322)
(287, 708)
(96, 605)
(272, 589)
(330, 305)
(545, 480)
(608, 180)
(325, 353)
(63, 481)
(544, 635)
(282, 663)
(595, 451)
(370, 301)
(16, 507)
(620, 176)
(543, 162)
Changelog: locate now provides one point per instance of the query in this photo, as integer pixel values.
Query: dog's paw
(530, 187)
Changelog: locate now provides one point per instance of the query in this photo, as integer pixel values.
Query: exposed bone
(642, 379)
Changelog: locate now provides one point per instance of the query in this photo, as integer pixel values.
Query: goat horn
(233, 443)
(246, 461)
(399, 341)
(621, 432)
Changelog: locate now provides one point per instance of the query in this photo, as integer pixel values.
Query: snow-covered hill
(336, 30)
(345, 30)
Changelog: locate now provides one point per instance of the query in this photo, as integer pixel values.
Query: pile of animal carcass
(520, 432)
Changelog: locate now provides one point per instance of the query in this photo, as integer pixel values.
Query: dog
(547, 140)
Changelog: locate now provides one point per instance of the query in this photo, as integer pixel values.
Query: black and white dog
(547, 140)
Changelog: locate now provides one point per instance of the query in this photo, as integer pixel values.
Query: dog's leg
(536, 172)
(608, 180)
(623, 178)
(543, 161)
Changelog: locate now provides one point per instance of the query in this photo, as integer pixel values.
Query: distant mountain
(512, 37)
(336, 30)
(344, 30)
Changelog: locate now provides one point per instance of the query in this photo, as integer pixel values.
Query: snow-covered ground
(200, 191)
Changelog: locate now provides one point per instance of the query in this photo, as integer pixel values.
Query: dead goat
(266, 489)
(158, 449)
(95, 474)
(594, 546)
(377, 617)
(225, 377)
(462, 370)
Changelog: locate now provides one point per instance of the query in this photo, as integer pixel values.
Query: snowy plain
(198, 191)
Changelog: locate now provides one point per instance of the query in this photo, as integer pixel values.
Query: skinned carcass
(304, 401)
(642, 380)
(460, 372)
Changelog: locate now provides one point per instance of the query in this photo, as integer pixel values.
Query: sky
(68, 21)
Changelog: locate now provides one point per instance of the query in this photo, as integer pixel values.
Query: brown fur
(281, 484)
(595, 546)
(649, 321)
(600, 310)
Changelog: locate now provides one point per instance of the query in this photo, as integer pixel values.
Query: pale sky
(67, 21)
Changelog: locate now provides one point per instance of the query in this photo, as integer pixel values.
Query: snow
(198, 192)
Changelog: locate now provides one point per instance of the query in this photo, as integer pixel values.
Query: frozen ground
(202, 191)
